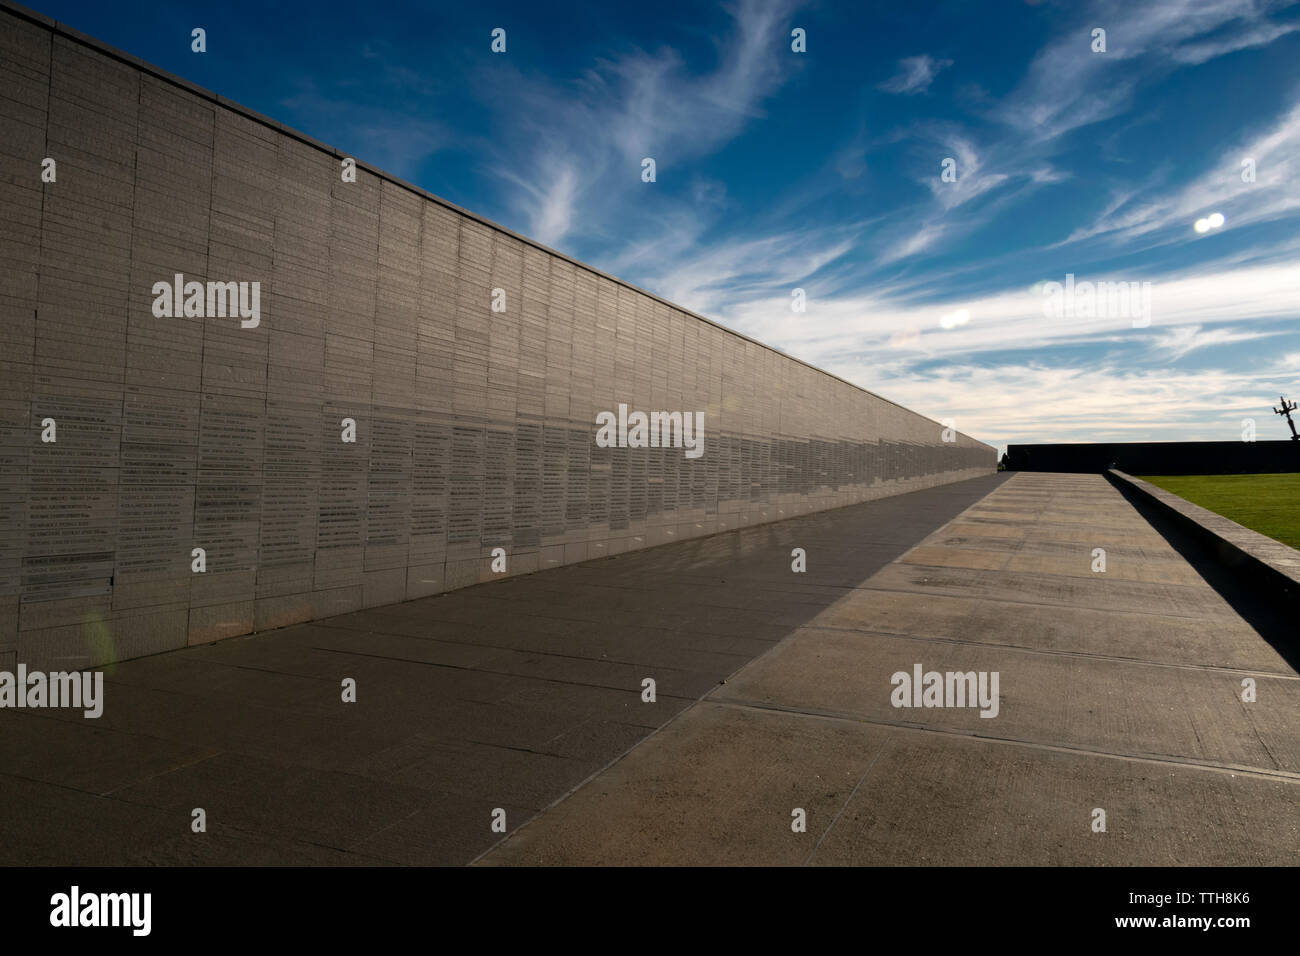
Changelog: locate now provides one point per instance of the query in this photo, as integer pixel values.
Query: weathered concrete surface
(505, 695)
(1120, 690)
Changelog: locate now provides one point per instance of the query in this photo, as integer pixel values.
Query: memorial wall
(240, 391)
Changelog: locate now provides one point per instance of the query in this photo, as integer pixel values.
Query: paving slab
(1160, 638)
(505, 695)
(717, 788)
(934, 800)
(1120, 692)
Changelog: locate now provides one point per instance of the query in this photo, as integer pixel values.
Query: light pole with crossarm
(1286, 409)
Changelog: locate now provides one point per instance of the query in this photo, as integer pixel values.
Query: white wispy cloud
(1105, 401)
(915, 74)
(587, 138)
(992, 360)
(709, 279)
(1274, 192)
(1245, 35)
(914, 243)
(1181, 340)
(963, 358)
(1013, 319)
(1068, 86)
(972, 178)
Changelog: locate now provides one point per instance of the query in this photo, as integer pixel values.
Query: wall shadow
(1265, 607)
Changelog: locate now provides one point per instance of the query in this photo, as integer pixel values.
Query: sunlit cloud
(954, 319)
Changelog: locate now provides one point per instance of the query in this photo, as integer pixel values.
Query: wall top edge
(71, 33)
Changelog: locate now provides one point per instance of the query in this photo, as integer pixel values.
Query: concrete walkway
(506, 695)
(1119, 691)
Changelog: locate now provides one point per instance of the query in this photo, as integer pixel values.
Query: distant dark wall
(1161, 458)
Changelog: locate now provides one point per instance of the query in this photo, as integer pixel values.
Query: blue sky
(779, 170)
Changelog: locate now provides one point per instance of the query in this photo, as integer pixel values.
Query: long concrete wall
(474, 429)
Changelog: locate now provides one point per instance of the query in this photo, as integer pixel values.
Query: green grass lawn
(1269, 504)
